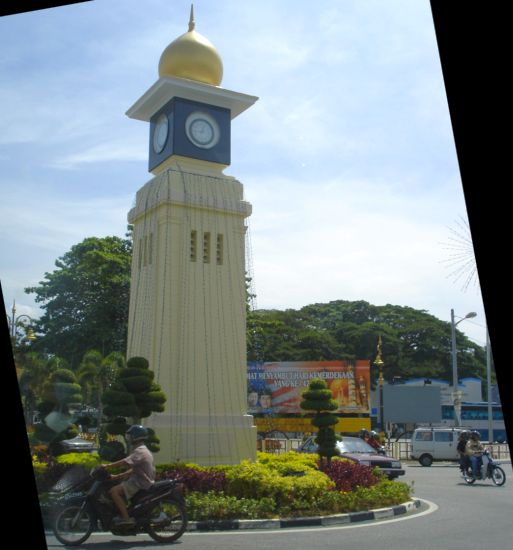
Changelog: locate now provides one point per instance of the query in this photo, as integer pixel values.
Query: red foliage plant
(349, 475)
(197, 480)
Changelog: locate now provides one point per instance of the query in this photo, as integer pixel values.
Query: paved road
(465, 518)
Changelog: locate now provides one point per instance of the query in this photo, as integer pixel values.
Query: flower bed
(288, 485)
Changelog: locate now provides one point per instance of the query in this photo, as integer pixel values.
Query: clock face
(202, 130)
(160, 133)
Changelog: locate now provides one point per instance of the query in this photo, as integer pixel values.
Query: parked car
(77, 445)
(356, 449)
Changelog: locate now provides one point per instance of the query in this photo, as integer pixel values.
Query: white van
(429, 444)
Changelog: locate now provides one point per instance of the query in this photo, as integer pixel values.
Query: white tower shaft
(187, 311)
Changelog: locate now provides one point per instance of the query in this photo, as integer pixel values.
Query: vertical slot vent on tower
(150, 249)
(139, 255)
(145, 250)
(193, 252)
(206, 248)
(219, 249)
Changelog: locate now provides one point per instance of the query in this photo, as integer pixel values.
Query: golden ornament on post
(380, 364)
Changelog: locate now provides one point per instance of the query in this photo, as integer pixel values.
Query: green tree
(415, 343)
(270, 339)
(319, 398)
(85, 300)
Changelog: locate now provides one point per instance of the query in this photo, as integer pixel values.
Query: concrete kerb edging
(315, 521)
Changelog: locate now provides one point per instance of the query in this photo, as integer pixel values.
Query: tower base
(205, 440)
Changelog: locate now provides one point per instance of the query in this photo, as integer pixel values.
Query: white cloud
(109, 151)
(351, 240)
(45, 221)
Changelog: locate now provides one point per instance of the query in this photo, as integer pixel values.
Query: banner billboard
(276, 388)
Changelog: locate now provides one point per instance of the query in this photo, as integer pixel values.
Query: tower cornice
(165, 88)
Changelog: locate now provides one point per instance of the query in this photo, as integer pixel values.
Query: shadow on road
(115, 544)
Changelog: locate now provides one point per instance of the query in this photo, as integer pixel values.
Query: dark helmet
(363, 432)
(474, 434)
(137, 432)
(465, 434)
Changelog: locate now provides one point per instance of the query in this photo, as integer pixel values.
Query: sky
(347, 157)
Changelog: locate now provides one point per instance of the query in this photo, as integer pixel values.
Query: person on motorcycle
(460, 447)
(141, 474)
(474, 449)
(374, 440)
(363, 434)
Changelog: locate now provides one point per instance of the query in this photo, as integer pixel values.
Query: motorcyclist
(462, 442)
(474, 450)
(363, 434)
(374, 440)
(141, 474)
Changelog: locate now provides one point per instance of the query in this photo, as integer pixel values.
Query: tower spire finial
(192, 24)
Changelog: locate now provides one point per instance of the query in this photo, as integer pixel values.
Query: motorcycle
(492, 471)
(159, 511)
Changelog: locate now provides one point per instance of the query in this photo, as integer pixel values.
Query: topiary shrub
(116, 426)
(153, 442)
(134, 395)
(112, 451)
(138, 363)
(319, 398)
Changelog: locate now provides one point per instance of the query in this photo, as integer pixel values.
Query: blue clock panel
(170, 137)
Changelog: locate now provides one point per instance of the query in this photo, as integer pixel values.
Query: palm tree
(37, 370)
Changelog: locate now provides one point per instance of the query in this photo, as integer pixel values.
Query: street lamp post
(489, 387)
(379, 363)
(14, 322)
(456, 394)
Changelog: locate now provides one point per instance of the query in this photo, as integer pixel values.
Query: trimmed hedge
(218, 506)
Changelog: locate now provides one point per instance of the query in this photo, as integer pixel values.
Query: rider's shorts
(130, 488)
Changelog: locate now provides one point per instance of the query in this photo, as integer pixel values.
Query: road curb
(314, 521)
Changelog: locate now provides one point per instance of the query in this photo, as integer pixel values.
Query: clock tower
(188, 291)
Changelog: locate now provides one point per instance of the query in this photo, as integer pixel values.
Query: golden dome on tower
(192, 56)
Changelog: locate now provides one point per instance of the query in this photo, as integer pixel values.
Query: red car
(360, 451)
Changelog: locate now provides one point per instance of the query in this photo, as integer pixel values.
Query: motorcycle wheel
(72, 525)
(468, 476)
(498, 476)
(167, 520)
